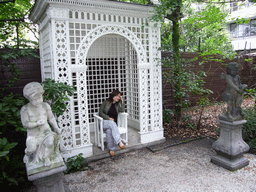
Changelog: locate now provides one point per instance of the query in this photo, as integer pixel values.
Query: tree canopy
(202, 31)
(13, 19)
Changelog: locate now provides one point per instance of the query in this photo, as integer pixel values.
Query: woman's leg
(113, 135)
(110, 140)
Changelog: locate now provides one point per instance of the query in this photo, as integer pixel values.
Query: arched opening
(112, 64)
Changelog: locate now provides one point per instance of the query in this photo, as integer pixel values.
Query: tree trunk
(175, 18)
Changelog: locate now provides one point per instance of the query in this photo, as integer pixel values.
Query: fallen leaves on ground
(209, 125)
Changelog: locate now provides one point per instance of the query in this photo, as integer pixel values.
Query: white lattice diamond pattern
(82, 109)
(143, 74)
(61, 75)
(157, 75)
(139, 57)
(103, 30)
(61, 51)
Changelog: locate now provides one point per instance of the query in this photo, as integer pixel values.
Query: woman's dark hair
(113, 94)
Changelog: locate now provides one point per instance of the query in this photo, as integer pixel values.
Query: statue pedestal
(47, 178)
(49, 181)
(230, 146)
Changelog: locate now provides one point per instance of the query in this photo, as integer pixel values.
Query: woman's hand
(121, 98)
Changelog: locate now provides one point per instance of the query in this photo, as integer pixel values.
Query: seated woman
(109, 112)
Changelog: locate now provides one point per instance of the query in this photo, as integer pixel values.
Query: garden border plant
(13, 135)
(76, 163)
(12, 132)
(190, 83)
(249, 129)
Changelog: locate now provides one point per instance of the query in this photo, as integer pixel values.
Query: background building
(242, 26)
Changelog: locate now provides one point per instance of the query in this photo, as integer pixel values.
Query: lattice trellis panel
(45, 52)
(61, 52)
(85, 21)
(143, 77)
(98, 46)
(81, 132)
(156, 80)
(112, 64)
(82, 37)
(132, 82)
(62, 75)
(131, 51)
(103, 30)
(77, 31)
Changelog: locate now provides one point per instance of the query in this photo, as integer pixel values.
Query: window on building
(243, 30)
(253, 27)
(233, 29)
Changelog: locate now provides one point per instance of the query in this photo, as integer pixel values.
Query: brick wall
(30, 71)
(213, 70)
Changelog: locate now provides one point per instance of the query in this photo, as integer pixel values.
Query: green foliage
(208, 25)
(189, 82)
(249, 129)
(15, 11)
(76, 163)
(12, 140)
(202, 103)
(5, 147)
(167, 115)
(10, 113)
(56, 94)
(137, 1)
(251, 93)
(10, 104)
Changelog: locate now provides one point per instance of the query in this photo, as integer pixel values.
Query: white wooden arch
(142, 65)
(100, 31)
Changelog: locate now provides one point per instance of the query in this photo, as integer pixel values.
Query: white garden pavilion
(99, 46)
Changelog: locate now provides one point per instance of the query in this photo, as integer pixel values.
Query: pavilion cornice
(108, 5)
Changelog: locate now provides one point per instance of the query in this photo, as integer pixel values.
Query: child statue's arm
(231, 84)
(52, 119)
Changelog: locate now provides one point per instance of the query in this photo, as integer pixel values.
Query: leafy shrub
(249, 129)
(56, 94)
(10, 112)
(13, 135)
(251, 93)
(12, 171)
(76, 163)
(5, 147)
(167, 115)
(11, 142)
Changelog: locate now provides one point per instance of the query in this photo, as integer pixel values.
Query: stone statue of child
(42, 143)
(233, 94)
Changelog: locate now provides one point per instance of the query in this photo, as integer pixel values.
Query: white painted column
(143, 97)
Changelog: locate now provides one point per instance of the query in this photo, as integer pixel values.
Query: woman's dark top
(105, 106)
(112, 113)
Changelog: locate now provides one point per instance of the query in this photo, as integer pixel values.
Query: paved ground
(184, 167)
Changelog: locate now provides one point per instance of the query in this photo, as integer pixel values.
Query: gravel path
(185, 167)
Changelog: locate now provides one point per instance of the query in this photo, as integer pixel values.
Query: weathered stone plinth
(49, 181)
(230, 146)
(47, 178)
